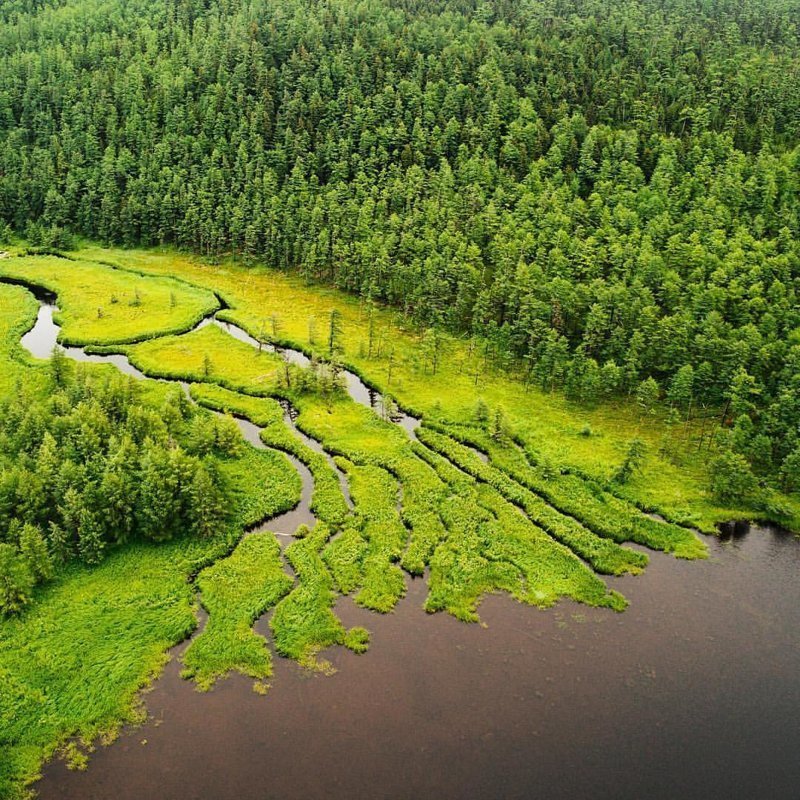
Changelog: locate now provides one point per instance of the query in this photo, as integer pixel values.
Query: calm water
(694, 692)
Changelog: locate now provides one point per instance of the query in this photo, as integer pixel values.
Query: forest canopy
(97, 464)
(606, 193)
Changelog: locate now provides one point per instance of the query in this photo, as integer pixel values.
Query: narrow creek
(43, 338)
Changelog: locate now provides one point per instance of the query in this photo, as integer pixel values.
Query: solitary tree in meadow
(334, 331)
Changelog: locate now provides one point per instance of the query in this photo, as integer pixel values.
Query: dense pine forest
(606, 193)
(96, 466)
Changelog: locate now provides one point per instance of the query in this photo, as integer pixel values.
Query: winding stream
(43, 338)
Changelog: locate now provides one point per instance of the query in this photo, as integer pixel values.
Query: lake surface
(693, 692)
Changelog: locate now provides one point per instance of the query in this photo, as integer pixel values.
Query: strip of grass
(18, 310)
(550, 570)
(603, 554)
(501, 543)
(349, 429)
(460, 572)
(422, 492)
(374, 492)
(304, 622)
(598, 510)
(101, 305)
(261, 411)
(207, 355)
(235, 592)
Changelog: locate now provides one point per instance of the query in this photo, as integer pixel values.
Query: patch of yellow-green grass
(357, 640)
(210, 355)
(74, 662)
(350, 429)
(262, 483)
(18, 310)
(375, 494)
(550, 570)
(261, 411)
(493, 547)
(101, 305)
(604, 555)
(460, 572)
(546, 421)
(235, 592)
(304, 622)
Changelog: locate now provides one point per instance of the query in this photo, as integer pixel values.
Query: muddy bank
(694, 692)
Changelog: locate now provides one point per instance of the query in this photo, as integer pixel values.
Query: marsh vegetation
(487, 299)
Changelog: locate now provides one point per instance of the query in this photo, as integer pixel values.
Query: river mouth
(694, 692)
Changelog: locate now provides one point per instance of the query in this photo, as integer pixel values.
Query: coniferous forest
(607, 192)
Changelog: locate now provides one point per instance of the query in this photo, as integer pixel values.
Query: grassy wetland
(451, 471)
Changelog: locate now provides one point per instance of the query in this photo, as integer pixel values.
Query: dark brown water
(694, 692)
